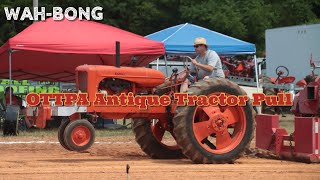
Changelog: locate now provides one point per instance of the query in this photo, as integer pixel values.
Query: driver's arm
(192, 68)
(205, 67)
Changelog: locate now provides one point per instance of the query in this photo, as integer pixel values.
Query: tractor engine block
(117, 85)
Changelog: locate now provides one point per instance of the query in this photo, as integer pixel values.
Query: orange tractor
(204, 134)
(277, 86)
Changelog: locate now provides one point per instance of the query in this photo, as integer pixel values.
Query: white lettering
(26, 14)
(12, 12)
(99, 15)
(86, 13)
(42, 13)
(57, 13)
(74, 13)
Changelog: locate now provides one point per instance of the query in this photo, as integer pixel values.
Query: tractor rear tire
(149, 144)
(79, 135)
(62, 127)
(186, 131)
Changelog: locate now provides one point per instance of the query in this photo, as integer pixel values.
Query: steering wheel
(282, 71)
(187, 66)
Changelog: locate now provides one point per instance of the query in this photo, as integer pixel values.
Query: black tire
(149, 144)
(268, 109)
(10, 128)
(183, 124)
(268, 91)
(61, 129)
(255, 109)
(11, 121)
(68, 138)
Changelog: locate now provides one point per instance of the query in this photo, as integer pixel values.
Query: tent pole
(10, 75)
(256, 69)
(165, 61)
(257, 78)
(158, 64)
(35, 4)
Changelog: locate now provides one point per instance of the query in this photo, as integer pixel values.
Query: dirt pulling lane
(108, 159)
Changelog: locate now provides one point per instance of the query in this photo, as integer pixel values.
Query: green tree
(221, 16)
(295, 12)
(9, 29)
(246, 19)
(257, 17)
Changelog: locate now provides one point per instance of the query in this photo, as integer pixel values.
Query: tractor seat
(301, 83)
(273, 80)
(286, 80)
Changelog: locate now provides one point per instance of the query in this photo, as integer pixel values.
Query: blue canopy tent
(179, 40)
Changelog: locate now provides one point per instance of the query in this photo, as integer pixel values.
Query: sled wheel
(62, 127)
(79, 135)
(149, 137)
(214, 134)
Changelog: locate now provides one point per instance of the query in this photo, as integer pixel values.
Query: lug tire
(184, 125)
(149, 144)
(61, 129)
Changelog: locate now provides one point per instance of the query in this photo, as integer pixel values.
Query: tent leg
(257, 79)
(165, 62)
(10, 75)
(158, 64)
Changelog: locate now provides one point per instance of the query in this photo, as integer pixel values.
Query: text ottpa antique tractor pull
(204, 134)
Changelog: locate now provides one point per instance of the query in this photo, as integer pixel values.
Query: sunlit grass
(287, 123)
(53, 133)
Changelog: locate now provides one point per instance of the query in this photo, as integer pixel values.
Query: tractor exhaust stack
(117, 54)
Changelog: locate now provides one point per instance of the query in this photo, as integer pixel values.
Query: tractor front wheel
(150, 136)
(62, 127)
(79, 135)
(214, 134)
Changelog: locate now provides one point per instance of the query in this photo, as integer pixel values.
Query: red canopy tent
(51, 50)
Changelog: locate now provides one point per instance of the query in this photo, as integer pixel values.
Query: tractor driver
(207, 63)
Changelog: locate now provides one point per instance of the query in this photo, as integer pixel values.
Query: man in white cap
(207, 63)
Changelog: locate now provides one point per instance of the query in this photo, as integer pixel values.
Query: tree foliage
(246, 19)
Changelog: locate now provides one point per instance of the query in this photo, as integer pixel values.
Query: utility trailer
(292, 47)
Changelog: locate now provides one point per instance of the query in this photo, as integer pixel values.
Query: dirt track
(108, 159)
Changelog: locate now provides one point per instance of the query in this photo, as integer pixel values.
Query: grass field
(285, 122)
